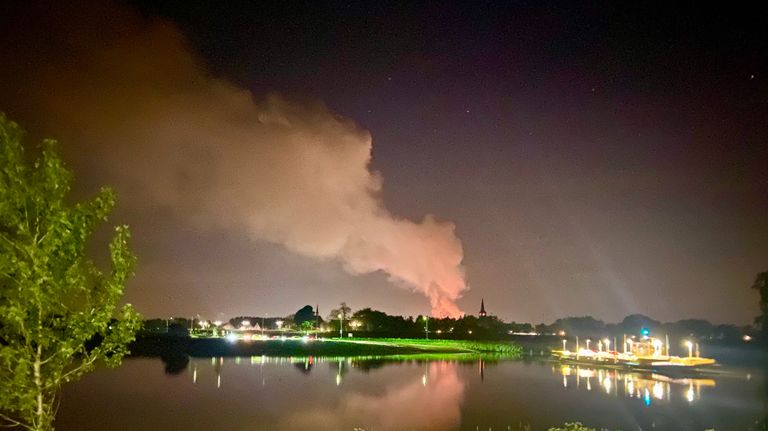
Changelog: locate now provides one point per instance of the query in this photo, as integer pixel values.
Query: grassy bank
(434, 349)
(467, 346)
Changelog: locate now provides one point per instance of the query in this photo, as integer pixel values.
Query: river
(263, 393)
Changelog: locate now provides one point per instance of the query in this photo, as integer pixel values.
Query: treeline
(368, 322)
(588, 326)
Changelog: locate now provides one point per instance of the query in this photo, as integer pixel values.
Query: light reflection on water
(252, 393)
(645, 386)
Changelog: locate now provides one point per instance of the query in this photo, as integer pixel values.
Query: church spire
(482, 308)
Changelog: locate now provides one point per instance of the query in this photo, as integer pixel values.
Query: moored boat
(646, 353)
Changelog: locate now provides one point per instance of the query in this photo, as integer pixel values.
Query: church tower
(482, 308)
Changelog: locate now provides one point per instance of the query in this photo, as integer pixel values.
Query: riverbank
(159, 346)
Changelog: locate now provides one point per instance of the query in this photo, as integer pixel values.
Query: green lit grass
(446, 346)
(402, 348)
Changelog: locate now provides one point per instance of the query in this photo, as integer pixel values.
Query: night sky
(595, 159)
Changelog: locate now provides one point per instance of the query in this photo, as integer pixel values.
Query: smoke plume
(129, 93)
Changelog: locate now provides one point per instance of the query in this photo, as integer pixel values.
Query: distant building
(482, 308)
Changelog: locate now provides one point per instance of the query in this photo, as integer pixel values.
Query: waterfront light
(656, 346)
(746, 338)
(607, 344)
(689, 344)
(231, 338)
(564, 341)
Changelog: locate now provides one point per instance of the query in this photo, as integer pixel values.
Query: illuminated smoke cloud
(129, 93)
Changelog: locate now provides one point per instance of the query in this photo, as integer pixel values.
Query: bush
(572, 426)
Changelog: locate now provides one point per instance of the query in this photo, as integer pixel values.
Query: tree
(305, 314)
(59, 312)
(343, 309)
(761, 285)
(307, 326)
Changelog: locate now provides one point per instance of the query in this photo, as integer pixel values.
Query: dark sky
(598, 158)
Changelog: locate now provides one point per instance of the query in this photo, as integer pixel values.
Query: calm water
(279, 394)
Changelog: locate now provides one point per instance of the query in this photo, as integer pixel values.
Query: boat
(646, 353)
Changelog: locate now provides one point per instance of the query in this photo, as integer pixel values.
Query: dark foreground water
(260, 393)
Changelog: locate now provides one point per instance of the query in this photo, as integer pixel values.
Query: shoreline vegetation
(175, 347)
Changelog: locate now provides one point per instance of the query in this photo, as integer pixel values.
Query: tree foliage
(761, 285)
(343, 309)
(59, 312)
(305, 314)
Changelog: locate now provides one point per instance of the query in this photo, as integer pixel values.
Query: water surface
(256, 393)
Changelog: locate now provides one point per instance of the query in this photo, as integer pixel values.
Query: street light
(263, 318)
(426, 327)
(564, 341)
(690, 348)
(341, 326)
